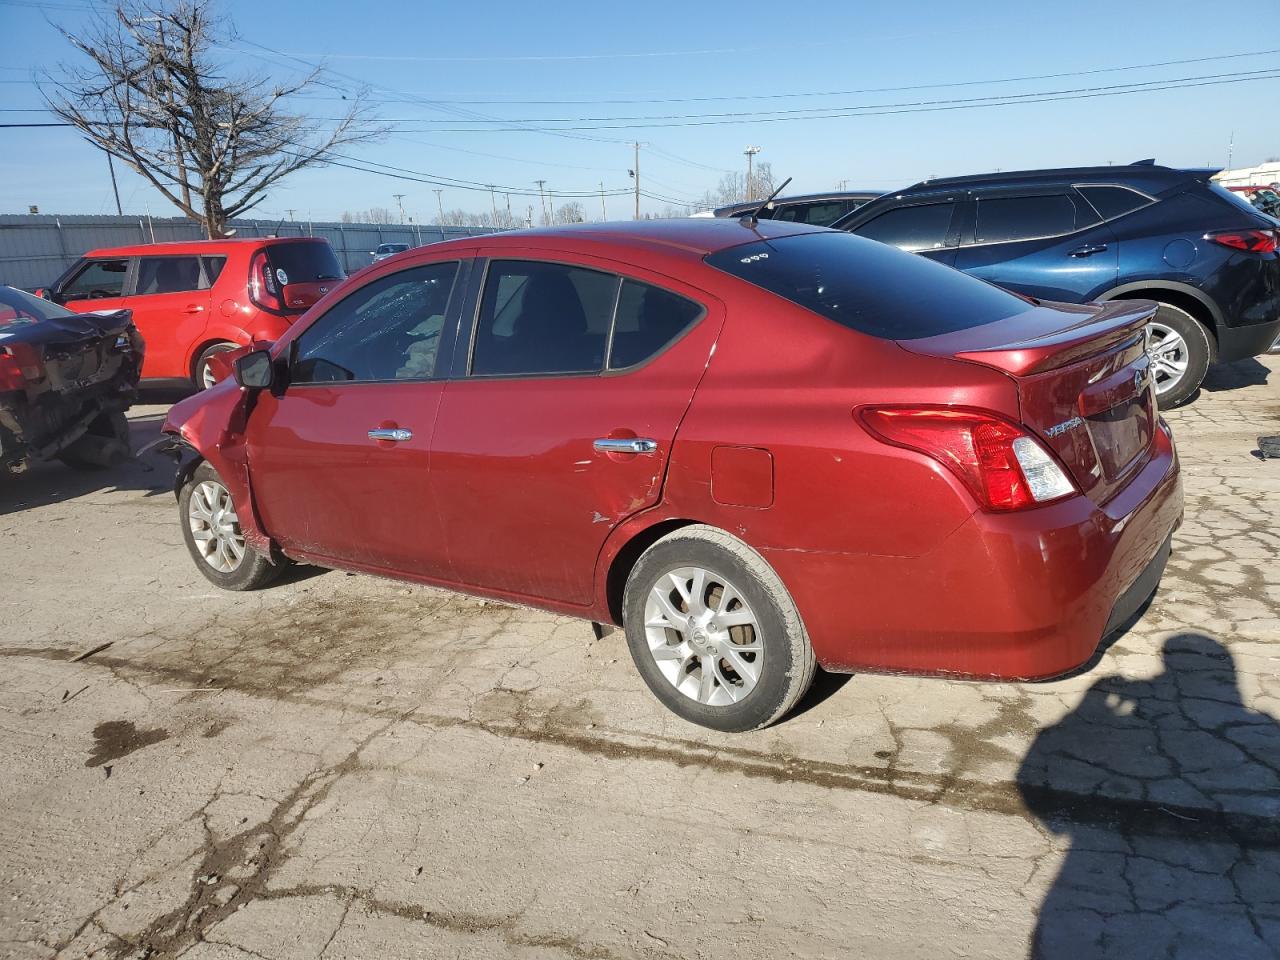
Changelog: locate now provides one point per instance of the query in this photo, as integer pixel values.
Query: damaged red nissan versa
(758, 448)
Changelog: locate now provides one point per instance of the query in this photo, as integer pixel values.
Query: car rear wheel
(211, 529)
(1180, 350)
(204, 377)
(714, 633)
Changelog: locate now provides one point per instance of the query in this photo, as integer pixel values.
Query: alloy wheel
(207, 379)
(215, 526)
(703, 636)
(1169, 354)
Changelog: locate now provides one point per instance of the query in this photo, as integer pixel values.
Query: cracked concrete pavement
(342, 766)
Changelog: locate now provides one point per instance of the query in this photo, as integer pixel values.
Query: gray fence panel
(35, 250)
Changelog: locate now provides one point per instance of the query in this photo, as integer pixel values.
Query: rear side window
(168, 275)
(543, 318)
(386, 330)
(819, 214)
(1112, 202)
(648, 319)
(1024, 218)
(97, 280)
(213, 268)
(1233, 198)
(920, 227)
(868, 287)
(304, 262)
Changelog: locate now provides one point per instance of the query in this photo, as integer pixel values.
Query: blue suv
(1139, 231)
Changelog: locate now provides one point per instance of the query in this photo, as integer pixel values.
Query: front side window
(920, 227)
(543, 318)
(387, 330)
(169, 275)
(1024, 218)
(98, 280)
(648, 319)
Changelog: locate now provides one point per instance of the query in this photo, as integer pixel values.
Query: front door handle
(628, 445)
(1088, 250)
(394, 434)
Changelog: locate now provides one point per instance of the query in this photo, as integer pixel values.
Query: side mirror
(255, 370)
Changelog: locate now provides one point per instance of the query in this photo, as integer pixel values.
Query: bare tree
(732, 187)
(152, 95)
(569, 212)
(378, 215)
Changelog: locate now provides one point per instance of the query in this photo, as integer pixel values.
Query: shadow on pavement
(1235, 376)
(54, 482)
(1169, 791)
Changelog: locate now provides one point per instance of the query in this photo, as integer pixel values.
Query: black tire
(1200, 353)
(253, 570)
(198, 374)
(104, 444)
(788, 663)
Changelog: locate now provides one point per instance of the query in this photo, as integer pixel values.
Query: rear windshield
(305, 262)
(19, 307)
(868, 286)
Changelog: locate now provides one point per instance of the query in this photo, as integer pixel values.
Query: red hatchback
(193, 300)
(756, 448)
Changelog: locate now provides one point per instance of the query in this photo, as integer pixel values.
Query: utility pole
(440, 205)
(842, 185)
(751, 153)
(1231, 149)
(636, 174)
(400, 200)
(528, 220)
(493, 202)
(604, 211)
(290, 211)
(510, 216)
(114, 189)
(543, 195)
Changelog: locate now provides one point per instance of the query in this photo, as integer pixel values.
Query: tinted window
(1111, 202)
(387, 330)
(392, 247)
(1232, 197)
(213, 268)
(1021, 218)
(543, 318)
(168, 275)
(922, 227)
(99, 278)
(304, 262)
(868, 287)
(648, 319)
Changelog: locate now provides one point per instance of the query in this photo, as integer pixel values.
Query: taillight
(1251, 241)
(263, 289)
(1004, 467)
(18, 366)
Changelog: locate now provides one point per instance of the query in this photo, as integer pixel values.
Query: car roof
(1148, 175)
(745, 205)
(686, 237)
(205, 247)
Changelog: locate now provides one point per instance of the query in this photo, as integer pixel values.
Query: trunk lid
(1083, 380)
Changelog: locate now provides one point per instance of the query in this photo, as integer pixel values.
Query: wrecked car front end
(66, 380)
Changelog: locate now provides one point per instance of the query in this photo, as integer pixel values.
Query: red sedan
(758, 449)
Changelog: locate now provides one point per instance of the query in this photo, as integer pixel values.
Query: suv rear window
(1024, 218)
(868, 286)
(305, 262)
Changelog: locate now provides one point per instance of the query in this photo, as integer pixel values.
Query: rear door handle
(194, 308)
(1088, 250)
(394, 434)
(629, 445)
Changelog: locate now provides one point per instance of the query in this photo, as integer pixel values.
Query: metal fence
(35, 250)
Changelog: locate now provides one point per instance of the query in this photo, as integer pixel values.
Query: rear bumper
(1013, 596)
(1240, 343)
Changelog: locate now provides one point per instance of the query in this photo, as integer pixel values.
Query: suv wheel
(211, 529)
(714, 633)
(204, 378)
(1180, 351)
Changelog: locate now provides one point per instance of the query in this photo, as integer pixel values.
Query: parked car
(819, 209)
(386, 250)
(755, 448)
(1107, 233)
(193, 300)
(66, 380)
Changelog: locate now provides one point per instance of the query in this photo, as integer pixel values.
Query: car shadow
(1168, 790)
(54, 482)
(825, 685)
(1235, 376)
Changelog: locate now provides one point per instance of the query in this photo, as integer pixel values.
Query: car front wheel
(1181, 350)
(714, 633)
(211, 529)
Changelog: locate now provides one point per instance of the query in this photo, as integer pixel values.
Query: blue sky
(427, 58)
